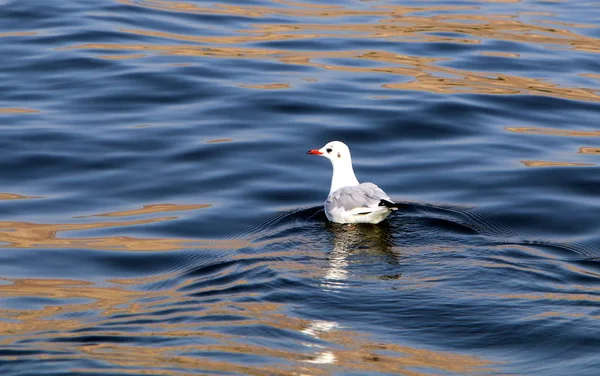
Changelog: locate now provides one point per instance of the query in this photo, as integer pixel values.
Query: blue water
(159, 215)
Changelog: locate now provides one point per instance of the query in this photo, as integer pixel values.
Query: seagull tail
(390, 205)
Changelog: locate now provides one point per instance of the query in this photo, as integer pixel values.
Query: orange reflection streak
(395, 21)
(121, 57)
(15, 196)
(589, 150)
(566, 315)
(267, 86)
(554, 132)
(558, 132)
(426, 74)
(17, 111)
(391, 23)
(267, 33)
(492, 83)
(18, 34)
(36, 235)
(555, 164)
(152, 315)
(555, 296)
(149, 209)
(591, 75)
(499, 54)
(295, 9)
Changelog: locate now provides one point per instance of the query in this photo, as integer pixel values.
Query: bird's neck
(343, 176)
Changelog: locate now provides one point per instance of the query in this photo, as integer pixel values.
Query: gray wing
(365, 195)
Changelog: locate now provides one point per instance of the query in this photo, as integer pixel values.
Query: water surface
(158, 214)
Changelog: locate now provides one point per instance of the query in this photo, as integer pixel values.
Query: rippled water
(158, 214)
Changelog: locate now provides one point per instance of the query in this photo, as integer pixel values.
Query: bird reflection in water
(356, 241)
(351, 245)
(315, 329)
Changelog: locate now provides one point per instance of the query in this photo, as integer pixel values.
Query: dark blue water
(159, 215)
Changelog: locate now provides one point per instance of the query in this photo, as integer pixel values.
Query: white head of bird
(339, 155)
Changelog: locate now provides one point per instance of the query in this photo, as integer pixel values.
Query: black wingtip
(388, 204)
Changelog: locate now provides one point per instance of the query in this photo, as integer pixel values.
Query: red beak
(314, 151)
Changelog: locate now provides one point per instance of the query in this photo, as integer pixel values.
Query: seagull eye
(329, 150)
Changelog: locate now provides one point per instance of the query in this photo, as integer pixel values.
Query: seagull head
(336, 151)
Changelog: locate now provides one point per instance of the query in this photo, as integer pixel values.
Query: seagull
(350, 201)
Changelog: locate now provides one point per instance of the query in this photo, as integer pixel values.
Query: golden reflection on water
(267, 86)
(591, 75)
(121, 57)
(290, 8)
(554, 164)
(499, 54)
(18, 34)
(589, 150)
(147, 330)
(56, 326)
(558, 132)
(46, 235)
(427, 77)
(554, 132)
(393, 23)
(15, 196)
(219, 140)
(150, 209)
(18, 111)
